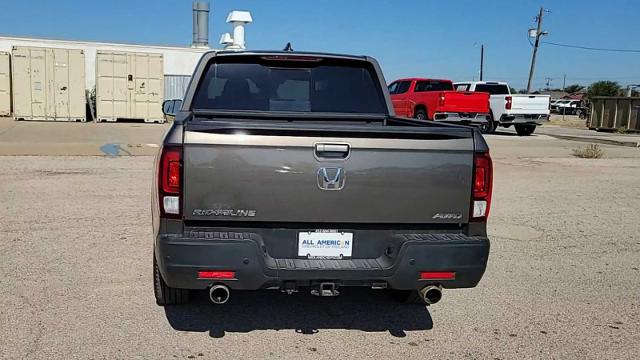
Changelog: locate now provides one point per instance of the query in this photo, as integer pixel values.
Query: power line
(591, 48)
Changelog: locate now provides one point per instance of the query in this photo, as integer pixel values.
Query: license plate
(325, 244)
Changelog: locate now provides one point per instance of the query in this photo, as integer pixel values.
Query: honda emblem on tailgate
(331, 178)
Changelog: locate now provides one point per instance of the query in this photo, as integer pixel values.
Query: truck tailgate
(530, 104)
(312, 178)
(465, 101)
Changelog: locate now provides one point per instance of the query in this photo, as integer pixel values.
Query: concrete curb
(634, 144)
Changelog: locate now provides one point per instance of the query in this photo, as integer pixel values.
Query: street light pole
(481, 61)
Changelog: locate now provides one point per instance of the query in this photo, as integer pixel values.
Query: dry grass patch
(591, 151)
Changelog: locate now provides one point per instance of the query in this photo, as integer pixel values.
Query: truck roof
(286, 53)
(483, 82)
(421, 79)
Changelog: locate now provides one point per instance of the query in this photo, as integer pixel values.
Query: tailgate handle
(332, 151)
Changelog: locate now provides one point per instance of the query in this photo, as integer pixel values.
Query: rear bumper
(181, 257)
(530, 119)
(466, 118)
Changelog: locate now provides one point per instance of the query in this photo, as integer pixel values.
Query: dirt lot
(75, 262)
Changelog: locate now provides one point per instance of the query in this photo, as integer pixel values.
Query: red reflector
(437, 275)
(216, 274)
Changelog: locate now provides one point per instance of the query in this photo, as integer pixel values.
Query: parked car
(170, 108)
(288, 171)
(524, 111)
(436, 99)
(567, 106)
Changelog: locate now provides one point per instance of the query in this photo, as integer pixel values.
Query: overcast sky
(427, 38)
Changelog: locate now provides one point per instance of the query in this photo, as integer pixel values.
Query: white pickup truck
(524, 111)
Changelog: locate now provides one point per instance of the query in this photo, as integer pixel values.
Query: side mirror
(171, 107)
(167, 107)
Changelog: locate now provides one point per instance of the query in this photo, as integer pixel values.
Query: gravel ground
(562, 282)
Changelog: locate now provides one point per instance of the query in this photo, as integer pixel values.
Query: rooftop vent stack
(238, 19)
(200, 24)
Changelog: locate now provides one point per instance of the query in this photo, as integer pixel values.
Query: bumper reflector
(437, 275)
(216, 274)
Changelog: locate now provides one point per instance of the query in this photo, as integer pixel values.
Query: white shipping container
(48, 84)
(5, 84)
(129, 86)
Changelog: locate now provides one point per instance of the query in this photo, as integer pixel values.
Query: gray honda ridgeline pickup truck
(290, 171)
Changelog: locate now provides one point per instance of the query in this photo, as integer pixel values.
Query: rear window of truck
(306, 86)
(433, 85)
(399, 87)
(493, 89)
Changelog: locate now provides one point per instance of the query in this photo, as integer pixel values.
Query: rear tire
(166, 295)
(421, 114)
(407, 296)
(525, 130)
(488, 128)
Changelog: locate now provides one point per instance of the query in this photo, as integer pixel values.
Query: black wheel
(166, 295)
(525, 130)
(421, 114)
(488, 128)
(407, 296)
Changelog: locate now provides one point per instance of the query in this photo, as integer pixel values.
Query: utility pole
(481, 60)
(549, 80)
(564, 81)
(539, 33)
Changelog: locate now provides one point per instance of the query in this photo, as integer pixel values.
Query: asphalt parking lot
(75, 261)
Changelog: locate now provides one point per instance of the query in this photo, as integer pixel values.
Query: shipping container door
(155, 87)
(141, 74)
(5, 84)
(38, 77)
(104, 86)
(60, 80)
(77, 85)
(21, 83)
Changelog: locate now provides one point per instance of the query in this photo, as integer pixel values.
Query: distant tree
(573, 88)
(604, 88)
(513, 90)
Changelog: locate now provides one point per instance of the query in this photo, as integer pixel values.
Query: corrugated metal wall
(175, 86)
(48, 84)
(5, 84)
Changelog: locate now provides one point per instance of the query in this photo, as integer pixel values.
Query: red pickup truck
(436, 99)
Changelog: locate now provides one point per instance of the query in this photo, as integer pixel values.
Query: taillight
(170, 181)
(482, 187)
(441, 100)
(507, 105)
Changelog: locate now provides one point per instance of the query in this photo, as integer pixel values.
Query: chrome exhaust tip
(219, 294)
(431, 294)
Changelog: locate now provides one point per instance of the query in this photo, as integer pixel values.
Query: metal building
(48, 84)
(175, 86)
